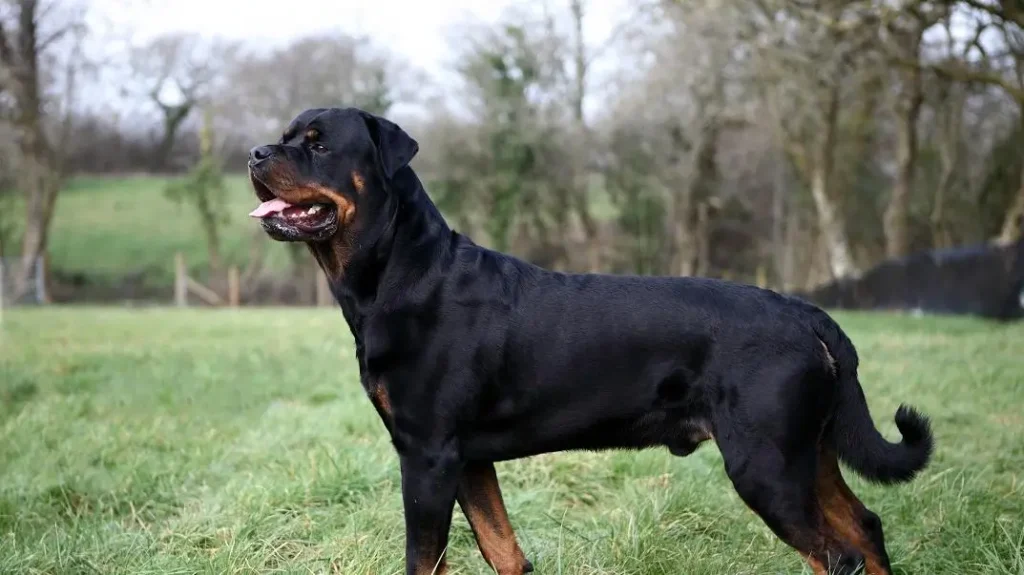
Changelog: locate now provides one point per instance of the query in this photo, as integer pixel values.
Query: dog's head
(328, 175)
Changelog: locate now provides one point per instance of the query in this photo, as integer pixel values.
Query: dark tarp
(982, 280)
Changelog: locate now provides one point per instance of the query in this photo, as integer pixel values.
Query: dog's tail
(854, 436)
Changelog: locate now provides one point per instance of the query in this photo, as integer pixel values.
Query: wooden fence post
(180, 281)
(233, 295)
(43, 278)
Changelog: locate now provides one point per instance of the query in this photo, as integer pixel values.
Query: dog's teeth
(313, 210)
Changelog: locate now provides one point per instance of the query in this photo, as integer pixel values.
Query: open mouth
(304, 222)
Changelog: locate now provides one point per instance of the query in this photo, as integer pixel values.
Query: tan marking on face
(285, 186)
(335, 254)
(312, 134)
(358, 182)
(285, 183)
(346, 209)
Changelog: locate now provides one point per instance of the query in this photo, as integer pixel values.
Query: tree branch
(57, 35)
(960, 73)
(997, 10)
(6, 55)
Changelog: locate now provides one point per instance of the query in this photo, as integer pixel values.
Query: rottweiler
(471, 356)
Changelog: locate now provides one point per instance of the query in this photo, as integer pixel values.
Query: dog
(471, 356)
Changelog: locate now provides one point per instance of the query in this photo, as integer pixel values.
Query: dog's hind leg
(849, 517)
(780, 488)
(769, 436)
(479, 496)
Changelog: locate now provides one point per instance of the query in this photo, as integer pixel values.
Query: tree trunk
(783, 222)
(41, 185)
(950, 123)
(689, 230)
(940, 232)
(1014, 217)
(37, 174)
(896, 220)
(703, 240)
(213, 250)
(174, 116)
(685, 250)
(830, 220)
(1014, 221)
(789, 258)
(579, 60)
(581, 193)
(257, 253)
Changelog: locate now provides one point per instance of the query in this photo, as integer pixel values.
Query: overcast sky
(418, 31)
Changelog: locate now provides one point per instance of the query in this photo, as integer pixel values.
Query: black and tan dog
(472, 356)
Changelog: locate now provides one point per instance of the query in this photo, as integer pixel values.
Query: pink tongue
(274, 206)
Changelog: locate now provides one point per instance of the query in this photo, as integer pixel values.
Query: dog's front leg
(430, 478)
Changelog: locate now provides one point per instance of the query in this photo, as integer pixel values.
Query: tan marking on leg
(844, 513)
(817, 567)
(479, 496)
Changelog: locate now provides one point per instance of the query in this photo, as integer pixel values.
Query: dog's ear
(394, 147)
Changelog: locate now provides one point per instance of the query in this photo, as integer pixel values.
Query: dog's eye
(317, 147)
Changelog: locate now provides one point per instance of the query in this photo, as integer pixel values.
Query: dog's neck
(393, 253)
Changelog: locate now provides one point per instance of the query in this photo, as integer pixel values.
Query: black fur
(473, 356)
(853, 432)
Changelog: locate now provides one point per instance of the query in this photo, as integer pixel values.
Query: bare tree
(7, 190)
(1000, 66)
(28, 31)
(204, 189)
(581, 197)
(264, 90)
(949, 112)
(808, 58)
(906, 36)
(514, 81)
(947, 106)
(178, 72)
(686, 99)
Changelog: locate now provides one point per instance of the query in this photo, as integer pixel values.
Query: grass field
(106, 228)
(161, 441)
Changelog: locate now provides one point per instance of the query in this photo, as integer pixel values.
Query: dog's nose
(259, 153)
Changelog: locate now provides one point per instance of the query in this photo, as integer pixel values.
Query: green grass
(161, 441)
(107, 228)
